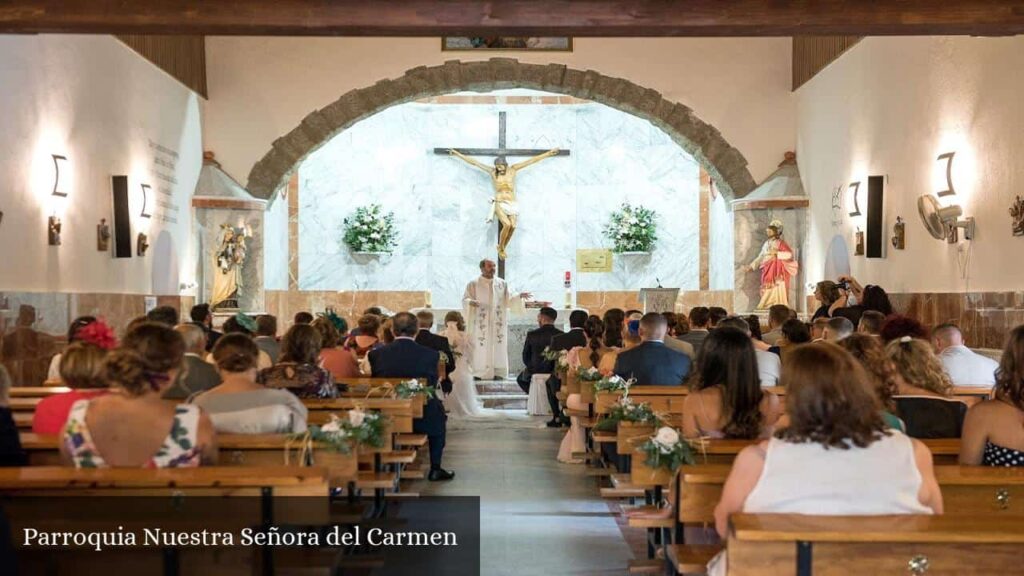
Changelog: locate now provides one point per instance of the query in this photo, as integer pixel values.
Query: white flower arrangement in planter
(632, 230)
(370, 230)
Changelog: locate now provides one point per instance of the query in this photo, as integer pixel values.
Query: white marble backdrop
(440, 203)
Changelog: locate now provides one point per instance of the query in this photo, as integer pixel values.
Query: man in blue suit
(652, 362)
(404, 358)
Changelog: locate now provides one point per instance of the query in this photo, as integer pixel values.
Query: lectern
(659, 299)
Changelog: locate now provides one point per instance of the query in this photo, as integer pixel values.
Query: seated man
(424, 337)
(651, 362)
(700, 316)
(871, 322)
(404, 358)
(964, 366)
(769, 365)
(266, 336)
(199, 375)
(777, 316)
(837, 328)
(818, 329)
(537, 340)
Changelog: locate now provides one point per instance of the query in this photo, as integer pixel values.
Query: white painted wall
(94, 100)
(261, 88)
(890, 106)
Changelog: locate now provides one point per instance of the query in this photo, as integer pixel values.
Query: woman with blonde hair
(994, 429)
(885, 381)
(923, 391)
(82, 368)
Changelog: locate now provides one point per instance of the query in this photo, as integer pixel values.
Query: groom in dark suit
(424, 337)
(404, 358)
(571, 339)
(537, 340)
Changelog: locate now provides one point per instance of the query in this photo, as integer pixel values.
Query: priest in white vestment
(486, 304)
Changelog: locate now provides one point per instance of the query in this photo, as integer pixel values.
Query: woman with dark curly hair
(897, 326)
(994, 429)
(836, 457)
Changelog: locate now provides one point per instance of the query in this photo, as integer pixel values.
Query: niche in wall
(875, 229)
(122, 218)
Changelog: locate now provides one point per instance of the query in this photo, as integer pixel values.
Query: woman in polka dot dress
(994, 429)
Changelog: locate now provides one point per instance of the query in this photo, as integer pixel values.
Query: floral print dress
(179, 450)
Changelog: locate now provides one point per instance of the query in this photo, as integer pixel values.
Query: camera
(843, 284)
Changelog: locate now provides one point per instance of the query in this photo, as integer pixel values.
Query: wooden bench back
(664, 399)
(966, 490)
(249, 450)
(761, 544)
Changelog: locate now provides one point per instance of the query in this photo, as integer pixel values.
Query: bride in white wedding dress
(462, 403)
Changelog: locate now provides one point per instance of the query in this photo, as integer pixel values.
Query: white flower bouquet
(370, 229)
(357, 428)
(667, 449)
(632, 229)
(613, 383)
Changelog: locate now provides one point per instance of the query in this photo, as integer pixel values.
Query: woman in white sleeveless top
(836, 457)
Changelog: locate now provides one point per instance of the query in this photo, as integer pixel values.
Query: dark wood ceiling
(517, 17)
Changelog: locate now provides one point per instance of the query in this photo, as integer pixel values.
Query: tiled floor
(537, 516)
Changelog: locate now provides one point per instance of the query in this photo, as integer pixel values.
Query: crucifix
(503, 176)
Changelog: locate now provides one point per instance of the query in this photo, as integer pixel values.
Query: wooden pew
(249, 450)
(399, 411)
(37, 391)
(176, 499)
(762, 544)
(966, 491)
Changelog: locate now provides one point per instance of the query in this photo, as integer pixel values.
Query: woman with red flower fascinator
(80, 367)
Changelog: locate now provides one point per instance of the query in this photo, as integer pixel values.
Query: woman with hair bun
(240, 405)
(132, 427)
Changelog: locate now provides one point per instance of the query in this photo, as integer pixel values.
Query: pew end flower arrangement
(667, 450)
(591, 375)
(626, 411)
(613, 383)
(632, 229)
(413, 387)
(358, 428)
(370, 230)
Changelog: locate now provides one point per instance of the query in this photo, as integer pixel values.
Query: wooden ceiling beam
(516, 17)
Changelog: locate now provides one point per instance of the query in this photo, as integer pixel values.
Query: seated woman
(339, 362)
(923, 391)
(727, 400)
(367, 337)
(244, 324)
(836, 457)
(240, 405)
(132, 427)
(81, 322)
(869, 351)
(612, 340)
(82, 368)
(794, 332)
(297, 370)
(827, 293)
(11, 453)
(588, 356)
(993, 431)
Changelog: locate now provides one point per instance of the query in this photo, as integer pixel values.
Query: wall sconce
(58, 189)
(855, 186)
(899, 234)
(145, 201)
(944, 223)
(858, 242)
(53, 231)
(142, 244)
(949, 191)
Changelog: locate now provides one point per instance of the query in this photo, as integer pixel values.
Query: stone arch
(725, 164)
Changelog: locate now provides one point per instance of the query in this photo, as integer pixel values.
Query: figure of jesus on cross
(504, 205)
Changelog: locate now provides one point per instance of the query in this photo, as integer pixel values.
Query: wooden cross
(500, 152)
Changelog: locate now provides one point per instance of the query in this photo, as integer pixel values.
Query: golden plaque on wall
(593, 261)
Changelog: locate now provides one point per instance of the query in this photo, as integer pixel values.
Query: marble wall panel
(26, 349)
(440, 203)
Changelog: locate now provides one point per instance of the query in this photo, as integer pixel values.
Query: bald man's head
(946, 335)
